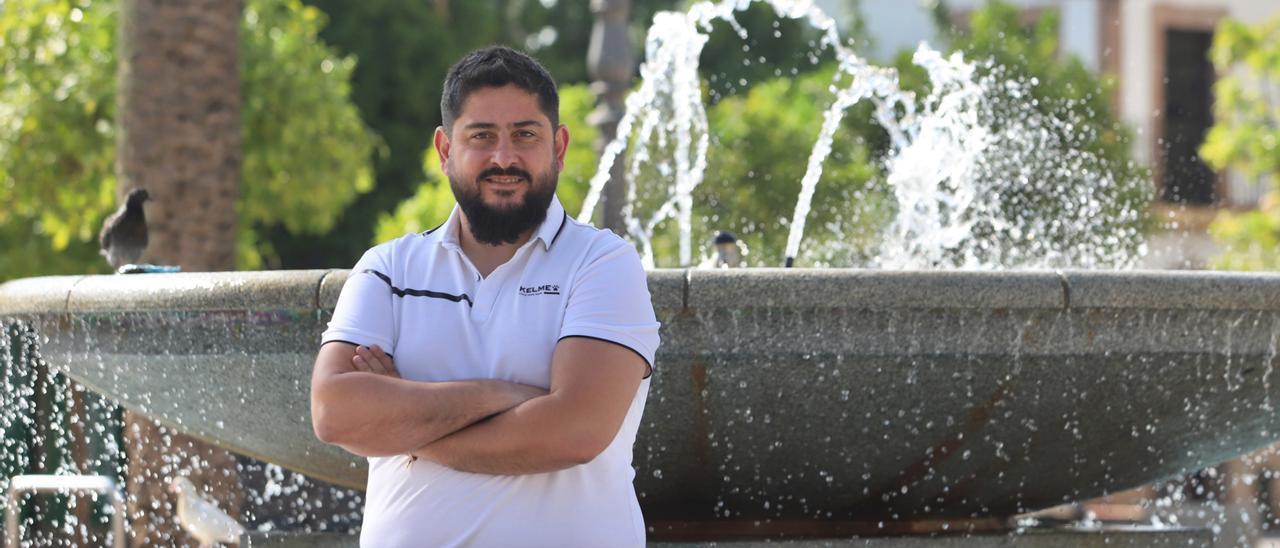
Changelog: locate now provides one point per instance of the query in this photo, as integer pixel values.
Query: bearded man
(494, 369)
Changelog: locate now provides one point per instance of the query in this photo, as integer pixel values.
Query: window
(1188, 114)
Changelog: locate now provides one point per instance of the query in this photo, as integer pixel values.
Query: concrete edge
(43, 295)
(293, 290)
(1174, 290)
(682, 289)
(874, 289)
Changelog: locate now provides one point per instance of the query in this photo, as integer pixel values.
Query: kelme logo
(548, 289)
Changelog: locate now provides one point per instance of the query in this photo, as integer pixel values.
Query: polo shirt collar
(448, 234)
(553, 224)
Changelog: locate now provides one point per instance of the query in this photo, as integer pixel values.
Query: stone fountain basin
(790, 394)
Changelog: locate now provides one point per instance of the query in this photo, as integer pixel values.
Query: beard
(503, 225)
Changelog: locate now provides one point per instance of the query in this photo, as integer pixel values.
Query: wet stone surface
(782, 394)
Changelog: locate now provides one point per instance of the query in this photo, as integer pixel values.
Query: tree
(57, 111)
(179, 123)
(1246, 137)
(307, 152)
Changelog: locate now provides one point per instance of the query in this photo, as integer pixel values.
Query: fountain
(981, 178)
(781, 396)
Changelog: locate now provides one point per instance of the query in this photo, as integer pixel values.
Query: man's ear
(442, 146)
(562, 144)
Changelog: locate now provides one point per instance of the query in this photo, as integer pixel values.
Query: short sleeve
(610, 301)
(364, 315)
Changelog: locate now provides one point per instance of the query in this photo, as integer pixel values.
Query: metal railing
(62, 484)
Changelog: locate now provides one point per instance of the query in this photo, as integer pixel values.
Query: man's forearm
(536, 436)
(375, 415)
(593, 387)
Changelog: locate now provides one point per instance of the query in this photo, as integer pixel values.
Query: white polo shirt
(420, 298)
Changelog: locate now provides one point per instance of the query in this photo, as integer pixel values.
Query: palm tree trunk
(180, 139)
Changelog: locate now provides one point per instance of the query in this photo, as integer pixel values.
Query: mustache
(512, 171)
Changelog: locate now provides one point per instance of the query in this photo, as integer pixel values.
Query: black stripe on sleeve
(419, 292)
(353, 344)
(637, 352)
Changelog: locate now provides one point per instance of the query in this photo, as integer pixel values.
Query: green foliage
(1246, 137)
(576, 103)
(57, 108)
(427, 208)
(1251, 239)
(306, 151)
(405, 49)
(558, 32)
(431, 203)
(760, 149)
(774, 47)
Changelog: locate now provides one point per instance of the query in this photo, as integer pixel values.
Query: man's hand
(371, 359)
(360, 403)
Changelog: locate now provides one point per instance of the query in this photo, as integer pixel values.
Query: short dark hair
(497, 66)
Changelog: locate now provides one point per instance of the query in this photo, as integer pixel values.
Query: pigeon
(728, 252)
(201, 518)
(124, 234)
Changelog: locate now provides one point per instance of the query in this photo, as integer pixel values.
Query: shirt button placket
(475, 289)
(486, 291)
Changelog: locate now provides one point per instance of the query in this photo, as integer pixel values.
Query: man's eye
(482, 136)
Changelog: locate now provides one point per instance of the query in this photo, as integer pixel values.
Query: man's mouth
(505, 179)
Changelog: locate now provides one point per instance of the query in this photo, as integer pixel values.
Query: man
(494, 370)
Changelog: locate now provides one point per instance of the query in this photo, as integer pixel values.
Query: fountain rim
(768, 300)
(688, 289)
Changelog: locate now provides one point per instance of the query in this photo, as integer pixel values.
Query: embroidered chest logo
(547, 289)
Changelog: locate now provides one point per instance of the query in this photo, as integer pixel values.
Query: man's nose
(504, 154)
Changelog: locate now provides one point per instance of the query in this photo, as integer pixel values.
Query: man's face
(502, 158)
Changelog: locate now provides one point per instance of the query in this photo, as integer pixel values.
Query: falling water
(669, 78)
(964, 164)
(986, 180)
(52, 425)
(49, 425)
(670, 83)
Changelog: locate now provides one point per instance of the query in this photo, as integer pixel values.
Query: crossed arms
(360, 403)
